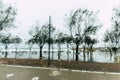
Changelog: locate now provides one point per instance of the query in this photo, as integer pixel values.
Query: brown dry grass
(79, 65)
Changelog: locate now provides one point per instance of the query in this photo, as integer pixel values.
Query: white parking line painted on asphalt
(98, 72)
(26, 67)
(35, 78)
(84, 71)
(32, 67)
(9, 75)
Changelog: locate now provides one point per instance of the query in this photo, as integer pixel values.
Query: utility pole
(49, 41)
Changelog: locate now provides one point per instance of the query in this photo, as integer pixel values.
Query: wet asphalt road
(30, 73)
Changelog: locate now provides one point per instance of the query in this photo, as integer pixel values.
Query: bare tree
(63, 38)
(116, 29)
(87, 40)
(82, 22)
(7, 19)
(92, 42)
(68, 39)
(6, 40)
(108, 42)
(40, 35)
(59, 40)
(30, 43)
(112, 37)
(7, 16)
(16, 40)
(111, 40)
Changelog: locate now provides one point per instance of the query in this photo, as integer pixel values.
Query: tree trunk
(77, 46)
(16, 52)
(73, 53)
(110, 53)
(91, 54)
(52, 52)
(115, 50)
(59, 51)
(88, 54)
(40, 52)
(6, 52)
(67, 52)
(30, 52)
(84, 56)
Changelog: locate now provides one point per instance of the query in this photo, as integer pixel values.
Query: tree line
(82, 25)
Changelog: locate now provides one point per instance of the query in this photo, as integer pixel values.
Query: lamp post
(49, 41)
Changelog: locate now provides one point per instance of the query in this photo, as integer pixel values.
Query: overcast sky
(31, 10)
